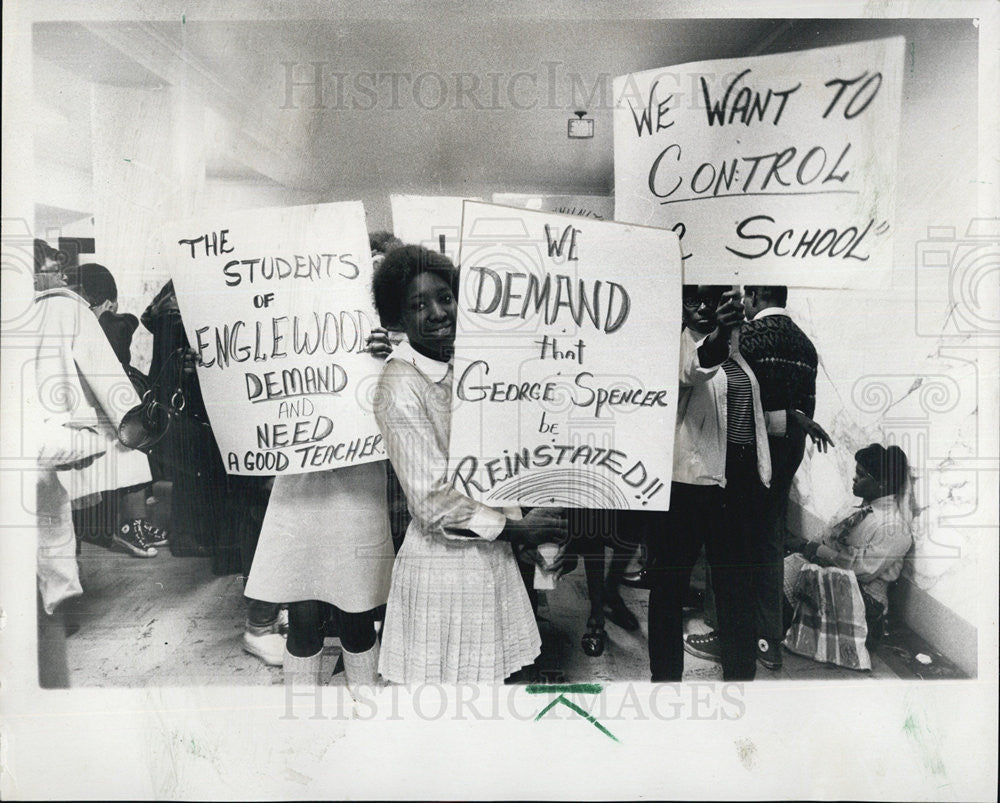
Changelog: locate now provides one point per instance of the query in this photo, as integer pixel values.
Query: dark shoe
(769, 654)
(704, 645)
(100, 539)
(129, 537)
(153, 536)
(616, 610)
(523, 676)
(639, 579)
(595, 639)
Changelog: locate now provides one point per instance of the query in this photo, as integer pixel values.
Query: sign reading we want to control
(278, 304)
(773, 169)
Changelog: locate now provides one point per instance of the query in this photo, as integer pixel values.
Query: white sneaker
(269, 647)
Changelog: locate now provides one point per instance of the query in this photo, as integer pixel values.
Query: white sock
(303, 671)
(361, 669)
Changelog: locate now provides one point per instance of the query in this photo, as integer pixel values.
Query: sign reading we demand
(278, 304)
(773, 169)
(565, 375)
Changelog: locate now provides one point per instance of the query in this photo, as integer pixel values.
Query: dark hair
(776, 294)
(44, 251)
(383, 241)
(710, 294)
(888, 466)
(400, 267)
(95, 282)
(163, 293)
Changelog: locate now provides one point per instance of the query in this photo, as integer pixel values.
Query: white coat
(80, 379)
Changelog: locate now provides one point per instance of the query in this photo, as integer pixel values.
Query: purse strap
(177, 399)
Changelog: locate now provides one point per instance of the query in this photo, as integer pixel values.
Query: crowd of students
(422, 583)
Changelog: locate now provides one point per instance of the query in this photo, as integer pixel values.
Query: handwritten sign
(599, 207)
(433, 221)
(277, 301)
(566, 361)
(772, 170)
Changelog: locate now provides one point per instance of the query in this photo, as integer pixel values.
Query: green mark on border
(562, 689)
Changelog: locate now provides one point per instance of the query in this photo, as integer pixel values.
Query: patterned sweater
(784, 360)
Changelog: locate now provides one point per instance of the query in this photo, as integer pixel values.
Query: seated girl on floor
(836, 589)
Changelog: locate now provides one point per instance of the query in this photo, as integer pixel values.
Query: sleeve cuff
(694, 374)
(776, 423)
(827, 554)
(487, 522)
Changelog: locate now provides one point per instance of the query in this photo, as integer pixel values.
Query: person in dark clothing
(784, 360)
(101, 291)
(212, 510)
(720, 474)
(590, 532)
(119, 327)
(212, 513)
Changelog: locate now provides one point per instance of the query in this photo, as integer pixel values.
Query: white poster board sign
(433, 221)
(278, 303)
(774, 169)
(599, 207)
(565, 381)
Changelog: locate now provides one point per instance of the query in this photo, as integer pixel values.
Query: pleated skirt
(458, 612)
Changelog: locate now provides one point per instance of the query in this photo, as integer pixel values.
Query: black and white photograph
(447, 401)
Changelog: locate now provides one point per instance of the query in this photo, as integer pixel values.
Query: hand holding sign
(276, 305)
(378, 344)
(539, 526)
(729, 312)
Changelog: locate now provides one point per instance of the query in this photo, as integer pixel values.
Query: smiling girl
(458, 610)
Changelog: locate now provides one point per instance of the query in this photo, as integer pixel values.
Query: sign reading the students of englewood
(773, 169)
(278, 304)
(565, 376)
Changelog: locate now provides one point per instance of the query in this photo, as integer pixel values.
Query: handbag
(138, 379)
(144, 425)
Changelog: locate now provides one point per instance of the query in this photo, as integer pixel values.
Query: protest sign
(775, 169)
(599, 207)
(566, 361)
(433, 221)
(278, 303)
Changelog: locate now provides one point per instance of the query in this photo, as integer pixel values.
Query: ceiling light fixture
(580, 127)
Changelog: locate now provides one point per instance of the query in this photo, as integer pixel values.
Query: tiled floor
(169, 621)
